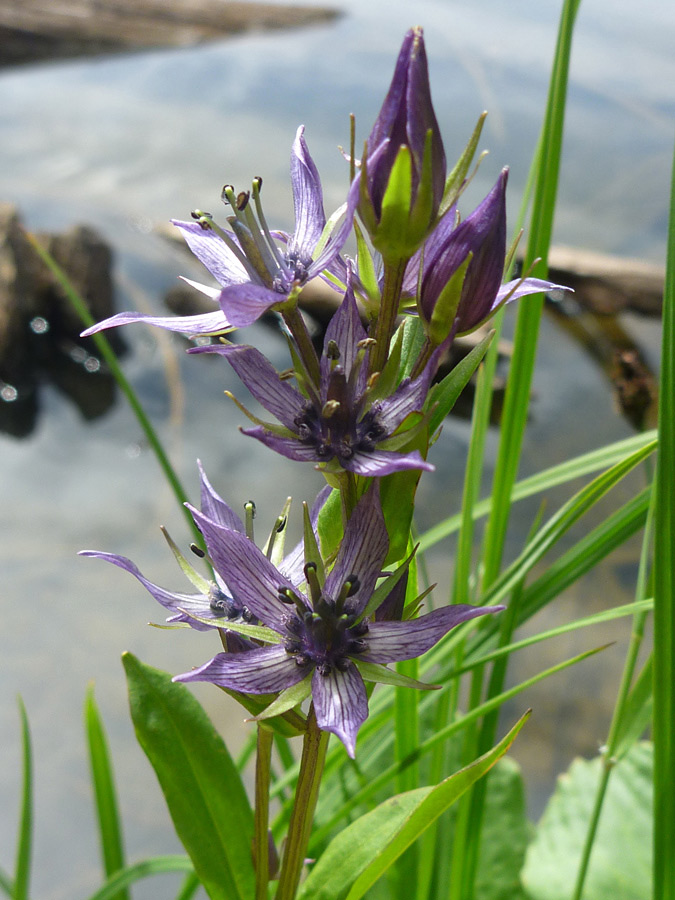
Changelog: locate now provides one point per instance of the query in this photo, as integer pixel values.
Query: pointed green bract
(200, 782)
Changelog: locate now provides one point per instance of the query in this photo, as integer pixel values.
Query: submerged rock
(39, 330)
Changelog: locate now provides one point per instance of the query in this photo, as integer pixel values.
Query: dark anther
(360, 629)
(258, 182)
(354, 585)
(343, 664)
(197, 551)
(301, 660)
(332, 350)
(323, 669)
(357, 646)
(285, 595)
(250, 506)
(282, 524)
(292, 646)
(242, 200)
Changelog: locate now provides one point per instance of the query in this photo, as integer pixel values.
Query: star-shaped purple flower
(326, 639)
(341, 423)
(256, 268)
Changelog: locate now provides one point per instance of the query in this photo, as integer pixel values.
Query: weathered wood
(42, 29)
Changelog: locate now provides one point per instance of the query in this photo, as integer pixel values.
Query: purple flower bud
(405, 141)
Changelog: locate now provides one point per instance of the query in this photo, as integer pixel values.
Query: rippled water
(125, 142)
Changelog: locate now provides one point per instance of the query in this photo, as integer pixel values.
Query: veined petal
(362, 551)
(310, 217)
(521, 287)
(243, 304)
(211, 250)
(346, 330)
(266, 670)
(203, 324)
(250, 576)
(393, 641)
(288, 447)
(340, 704)
(408, 397)
(214, 507)
(262, 380)
(174, 601)
(376, 463)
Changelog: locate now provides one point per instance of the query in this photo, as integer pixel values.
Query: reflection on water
(121, 143)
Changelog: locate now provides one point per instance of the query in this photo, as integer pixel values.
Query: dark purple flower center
(336, 428)
(327, 635)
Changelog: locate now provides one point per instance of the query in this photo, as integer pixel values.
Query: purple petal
(526, 286)
(171, 600)
(215, 508)
(243, 304)
(338, 236)
(250, 576)
(288, 447)
(266, 670)
(384, 462)
(213, 252)
(340, 704)
(362, 551)
(408, 397)
(262, 380)
(204, 324)
(346, 330)
(393, 641)
(307, 200)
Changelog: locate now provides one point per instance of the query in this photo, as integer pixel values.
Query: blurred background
(122, 143)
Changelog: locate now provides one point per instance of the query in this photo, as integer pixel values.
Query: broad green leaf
(329, 525)
(110, 832)
(413, 341)
(363, 851)
(158, 865)
(201, 784)
(504, 836)
(620, 865)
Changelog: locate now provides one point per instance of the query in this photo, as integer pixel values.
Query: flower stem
(386, 320)
(306, 794)
(296, 324)
(262, 812)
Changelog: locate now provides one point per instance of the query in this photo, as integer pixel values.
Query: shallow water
(125, 142)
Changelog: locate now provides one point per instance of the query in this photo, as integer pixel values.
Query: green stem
(306, 794)
(386, 320)
(296, 324)
(261, 857)
(108, 354)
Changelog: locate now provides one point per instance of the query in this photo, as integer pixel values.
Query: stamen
(206, 222)
(313, 583)
(197, 551)
(250, 242)
(249, 509)
(349, 587)
(330, 408)
(242, 200)
(332, 350)
(256, 187)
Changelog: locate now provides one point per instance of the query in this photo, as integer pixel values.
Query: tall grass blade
(517, 397)
(25, 838)
(110, 832)
(664, 594)
(158, 865)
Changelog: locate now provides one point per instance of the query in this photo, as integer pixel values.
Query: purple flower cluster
(308, 624)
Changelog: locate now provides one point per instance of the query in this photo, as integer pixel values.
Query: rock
(43, 29)
(39, 330)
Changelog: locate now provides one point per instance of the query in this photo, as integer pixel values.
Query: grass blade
(664, 595)
(158, 865)
(110, 833)
(25, 840)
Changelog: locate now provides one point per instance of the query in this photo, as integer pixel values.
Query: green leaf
(383, 675)
(25, 840)
(288, 699)
(363, 851)
(454, 183)
(201, 784)
(110, 832)
(620, 866)
(638, 712)
(444, 395)
(330, 525)
(158, 865)
(504, 836)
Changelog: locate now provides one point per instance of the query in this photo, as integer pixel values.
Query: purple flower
(405, 141)
(326, 638)
(340, 422)
(214, 605)
(257, 269)
(483, 235)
